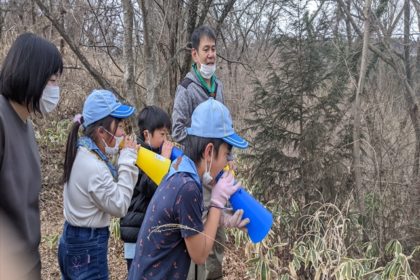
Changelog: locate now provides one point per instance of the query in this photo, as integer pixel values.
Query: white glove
(223, 189)
(235, 220)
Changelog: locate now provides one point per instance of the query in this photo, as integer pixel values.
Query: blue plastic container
(176, 153)
(260, 218)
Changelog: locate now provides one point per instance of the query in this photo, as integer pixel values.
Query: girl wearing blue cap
(95, 189)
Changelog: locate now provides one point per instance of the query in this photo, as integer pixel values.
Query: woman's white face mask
(49, 99)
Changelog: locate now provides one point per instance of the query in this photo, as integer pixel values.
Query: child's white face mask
(147, 139)
(112, 150)
(207, 178)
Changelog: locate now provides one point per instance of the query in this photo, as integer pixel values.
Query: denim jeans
(82, 253)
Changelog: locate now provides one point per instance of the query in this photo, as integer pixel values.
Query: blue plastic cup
(260, 218)
(176, 153)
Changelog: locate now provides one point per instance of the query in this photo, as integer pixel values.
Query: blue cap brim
(236, 141)
(123, 111)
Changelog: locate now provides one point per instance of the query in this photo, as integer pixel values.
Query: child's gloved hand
(235, 220)
(223, 189)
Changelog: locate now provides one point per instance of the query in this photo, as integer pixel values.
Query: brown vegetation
(290, 80)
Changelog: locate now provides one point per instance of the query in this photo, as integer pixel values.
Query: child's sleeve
(188, 207)
(110, 196)
(146, 186)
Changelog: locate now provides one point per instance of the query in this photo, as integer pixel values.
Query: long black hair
(90, 131)
(28, 66)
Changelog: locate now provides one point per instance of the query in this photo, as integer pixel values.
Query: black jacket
(145, 188)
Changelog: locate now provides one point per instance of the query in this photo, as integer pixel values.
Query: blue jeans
(83, 253)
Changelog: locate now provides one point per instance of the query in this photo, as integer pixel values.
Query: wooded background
(327, 93)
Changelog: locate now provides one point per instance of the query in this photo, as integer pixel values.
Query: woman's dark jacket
(145, 188)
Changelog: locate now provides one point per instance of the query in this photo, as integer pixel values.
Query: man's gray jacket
(187, 97)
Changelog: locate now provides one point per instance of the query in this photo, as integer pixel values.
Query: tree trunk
(191, 25)
(33, 13)
(129, 83)
(174, 15)
(356, 109)
(3, 13)
(149, 46)
(413, 110)
(409, 79)
(348, 27)
(226, 9)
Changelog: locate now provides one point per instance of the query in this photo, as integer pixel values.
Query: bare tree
(356, 111)
(149, 52)
(226, 10)
(129, 83)
(191, 25)
(60, 28)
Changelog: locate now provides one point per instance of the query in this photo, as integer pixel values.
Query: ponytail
(71, 147)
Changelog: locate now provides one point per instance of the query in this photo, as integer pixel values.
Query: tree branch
(246, 65)
(104, 37)
(95, 74)
(226, 9)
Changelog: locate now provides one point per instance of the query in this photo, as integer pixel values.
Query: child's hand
(130, 142)
(166, 149)
(223, 189)
(234, 220)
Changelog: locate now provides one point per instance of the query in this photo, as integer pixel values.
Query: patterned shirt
(174, 213)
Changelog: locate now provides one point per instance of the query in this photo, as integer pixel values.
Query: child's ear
(208, 151)
(146, 134)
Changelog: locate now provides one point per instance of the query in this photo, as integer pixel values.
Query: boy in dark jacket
(155, 126)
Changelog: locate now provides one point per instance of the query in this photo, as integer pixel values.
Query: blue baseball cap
(211, 119)
(102, 103)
